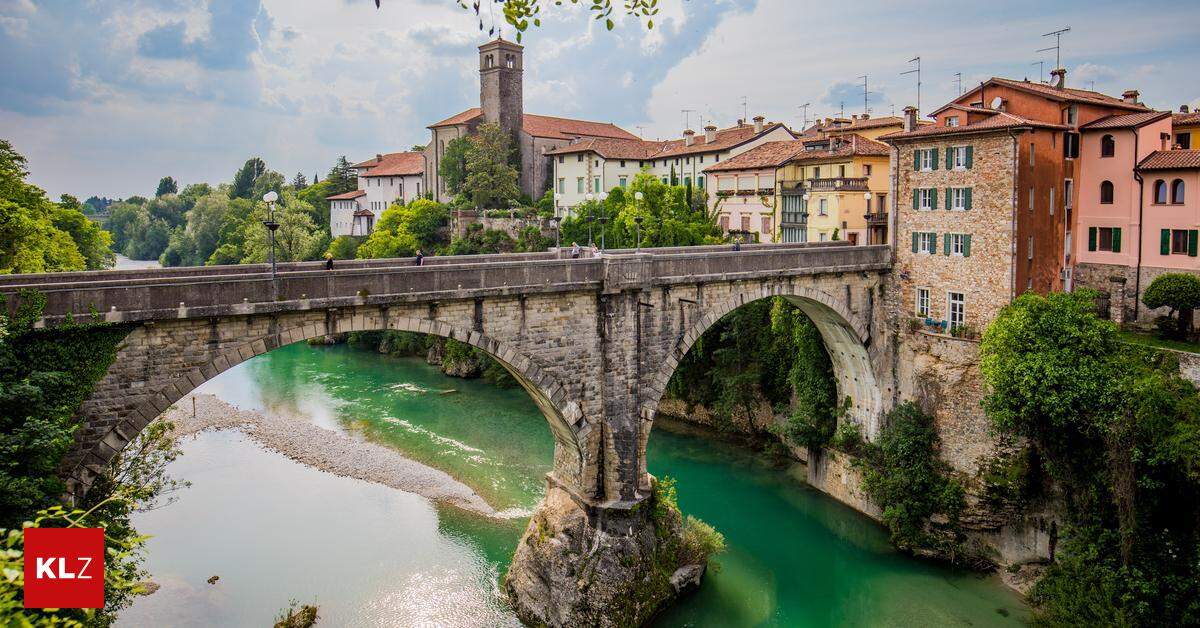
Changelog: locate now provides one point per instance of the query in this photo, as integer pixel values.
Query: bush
(1181, 293)
(700, 541)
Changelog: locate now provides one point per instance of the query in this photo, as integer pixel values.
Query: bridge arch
(562, 412)
(847, 340)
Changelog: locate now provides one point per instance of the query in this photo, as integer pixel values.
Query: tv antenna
(686, 114)
(745, 108)
(842, 111)
(866, 94)
(1041, 70)
(1057, 47)
(916, 59)
(958, 79)
(804, 109)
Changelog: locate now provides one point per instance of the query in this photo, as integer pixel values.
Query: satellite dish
(996, 102)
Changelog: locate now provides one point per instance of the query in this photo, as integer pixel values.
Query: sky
(106, 96)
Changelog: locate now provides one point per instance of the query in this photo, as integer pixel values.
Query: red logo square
(64, 568)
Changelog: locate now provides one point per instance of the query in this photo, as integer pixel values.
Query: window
(724, 222)
(1160, 192)
(822, 237)
(866, 170)
(958, 199)
(622, 163)
(700, 182)
(951, 120)
(579, 185)
(1183, 140)
(745, 223)
(1032, 156)
(958, 244)
(958, 157)
(687, 160)
(925, 159)
(1177, 191)
(956, 309)
(562, 159)
(1178, 242)
(1070, 145)
(1106, 192)
(924, 242)
(842, 171)
(687, 180)
(1051, 201)
(1029, 248)
(665, 181)
(596, 184)
(823, 207)
(623, 181)
(1068, 193)
(562, 185)
(745, 182)
(923, 302)
(1073, 115)
(766, 225)
(1108, 146)
(816, 172)
(579, 158)
(1032, 199)
(923, 198)
(1106, 239)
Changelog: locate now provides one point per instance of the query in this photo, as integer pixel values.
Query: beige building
(382, 181)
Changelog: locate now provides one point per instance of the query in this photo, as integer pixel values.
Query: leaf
(609, 24)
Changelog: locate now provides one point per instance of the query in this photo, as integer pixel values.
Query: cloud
(234, 31)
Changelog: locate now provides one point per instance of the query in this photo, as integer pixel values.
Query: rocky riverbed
(324, 449)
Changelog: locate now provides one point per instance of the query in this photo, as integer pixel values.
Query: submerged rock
(687, 578)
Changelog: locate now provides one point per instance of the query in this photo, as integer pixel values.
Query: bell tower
(500, 84)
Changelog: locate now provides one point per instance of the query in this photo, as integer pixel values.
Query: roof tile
(1171, 160)
(1124, 121)
(393, 165)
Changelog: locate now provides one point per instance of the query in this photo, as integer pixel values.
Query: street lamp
(589, 197)
(603, 219)
(557, 233)
(269, 198)
(638, 197)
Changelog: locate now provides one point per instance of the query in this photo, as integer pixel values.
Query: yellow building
(1186, 129)
(861, 125)
(835, 189)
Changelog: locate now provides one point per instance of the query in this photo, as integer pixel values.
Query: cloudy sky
(106, 96)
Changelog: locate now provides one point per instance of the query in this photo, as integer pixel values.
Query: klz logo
(64, 568)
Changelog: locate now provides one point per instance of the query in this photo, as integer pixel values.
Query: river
(275, 530)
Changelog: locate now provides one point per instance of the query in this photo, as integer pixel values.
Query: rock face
(608, 568)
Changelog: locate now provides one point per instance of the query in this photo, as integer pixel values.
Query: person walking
(420, 259)
(737, 243)
(329, 261)
(596, 252)
(575, 250)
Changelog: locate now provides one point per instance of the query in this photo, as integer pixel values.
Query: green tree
(453, 166)
(30, 240)
(1181, 293)
(244, 179)
(520, 14)
(405, 228)
(344, 247)
(478, 241)
(341, 177)
(269, 181)
(166, 185)
(491, 180)
(297, 238)
(299, 182)
(93, 243)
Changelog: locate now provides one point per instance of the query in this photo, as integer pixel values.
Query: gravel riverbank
(326, 450)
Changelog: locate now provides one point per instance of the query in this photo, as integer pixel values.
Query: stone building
(501, 101)
(982, 197)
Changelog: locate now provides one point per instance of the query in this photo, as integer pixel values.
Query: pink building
(1126, 206)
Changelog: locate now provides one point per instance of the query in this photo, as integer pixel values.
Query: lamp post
(867, 197)
(603, 219)
(589, 197)
(557, 232)
(269, 198)
(637, 220)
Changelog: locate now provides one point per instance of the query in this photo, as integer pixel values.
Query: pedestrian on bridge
(575, 250)
(329, 261)
(420, 259)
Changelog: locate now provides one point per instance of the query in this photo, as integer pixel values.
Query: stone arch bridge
(593, 341)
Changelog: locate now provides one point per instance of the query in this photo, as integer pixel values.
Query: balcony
(794, 219)
(791, 187)
(839, 184)
(876, 218)
(724, 193)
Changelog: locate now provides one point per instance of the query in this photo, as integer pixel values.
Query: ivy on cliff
(1118, 430)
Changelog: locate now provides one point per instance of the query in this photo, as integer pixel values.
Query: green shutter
(916, 160)
(949, 198)
(916, 197)
(970, 156)
(946, 243)
(949, 159)
(933, 198)
(915, 241)
(1192, 242)
(1091, 238)
(968, 192)
(1164, 242)
(934, 160)
(1116, 240)
(967, 245)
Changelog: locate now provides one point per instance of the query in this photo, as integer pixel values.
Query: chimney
(1058, 78)
(1183, 109)
(758, 124)
(741, 122)
(1130, 96)
(378, 158)
(710, 134)
(910, 118)
(689, 137)
(865, 116)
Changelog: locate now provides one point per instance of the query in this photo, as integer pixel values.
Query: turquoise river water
(275, 530)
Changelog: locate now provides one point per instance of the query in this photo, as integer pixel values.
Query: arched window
(1106, 192)
(1160, 192)
(1177, 191)
(1108, 146)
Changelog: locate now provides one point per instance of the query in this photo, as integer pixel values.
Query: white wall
(341, 217)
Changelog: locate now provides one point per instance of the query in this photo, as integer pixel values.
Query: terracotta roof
(843, 146)
(857, 124)
(1185, 119)
(459, 118)
(393, 165)
(1126, 120)
(767, 155)
(1171, 160)
(1066, 94)
(998, 121)
(362, 211)
(645, 149)
(547, 126)
(346, 196)
(567, 128)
